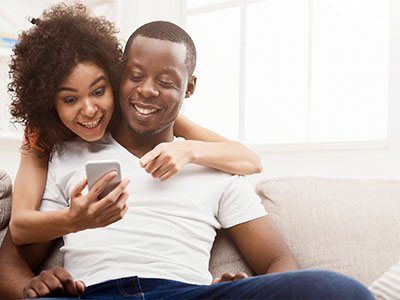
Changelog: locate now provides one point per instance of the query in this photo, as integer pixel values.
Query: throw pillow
(387, 287)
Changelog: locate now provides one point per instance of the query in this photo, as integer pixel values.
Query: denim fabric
(304, 284)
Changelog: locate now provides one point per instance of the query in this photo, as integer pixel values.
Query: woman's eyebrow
(97, 80)
(64, 88)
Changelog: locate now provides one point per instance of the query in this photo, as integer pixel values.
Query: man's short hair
(163, 30)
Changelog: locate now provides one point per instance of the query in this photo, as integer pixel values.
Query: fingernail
(113, 174)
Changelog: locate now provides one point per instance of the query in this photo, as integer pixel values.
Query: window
(291, 71)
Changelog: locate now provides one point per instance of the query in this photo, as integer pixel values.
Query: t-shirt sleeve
(239, 203)
(53, 198)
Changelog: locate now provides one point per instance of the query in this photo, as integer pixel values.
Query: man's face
(154, 83)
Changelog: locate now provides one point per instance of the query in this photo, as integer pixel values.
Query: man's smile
(144, 111)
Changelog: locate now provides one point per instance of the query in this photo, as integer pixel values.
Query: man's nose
(148, 89)
(89, 108)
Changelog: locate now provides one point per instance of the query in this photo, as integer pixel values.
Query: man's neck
(139, 144)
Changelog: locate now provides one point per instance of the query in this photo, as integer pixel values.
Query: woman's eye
(68, 100)
(99, 92)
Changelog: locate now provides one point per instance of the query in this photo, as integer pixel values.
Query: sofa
(346, 225)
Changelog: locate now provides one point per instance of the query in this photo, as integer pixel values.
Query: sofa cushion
(226, 257)
(5, 199)
(345, 225)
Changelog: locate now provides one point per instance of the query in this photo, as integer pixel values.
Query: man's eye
(99, 92)
(166, 83)
(135, 77)
(68, 100)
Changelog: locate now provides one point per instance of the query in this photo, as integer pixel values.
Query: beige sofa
(346, 225)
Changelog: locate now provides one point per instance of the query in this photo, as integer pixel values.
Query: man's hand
(167, 159)
(54, 282)
(230, 277)
(87, 211)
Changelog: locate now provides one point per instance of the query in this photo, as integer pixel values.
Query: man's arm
(16, 271)
(263, 246)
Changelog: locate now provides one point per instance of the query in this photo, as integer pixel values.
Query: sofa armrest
(55, 257)
(5, 199)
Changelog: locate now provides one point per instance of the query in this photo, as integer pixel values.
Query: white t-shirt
(169, 228)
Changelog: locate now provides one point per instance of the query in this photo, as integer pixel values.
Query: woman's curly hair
(63, 37)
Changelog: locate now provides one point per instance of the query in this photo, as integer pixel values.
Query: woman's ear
(191, 86)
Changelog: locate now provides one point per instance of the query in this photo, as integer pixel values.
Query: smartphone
(95, 169)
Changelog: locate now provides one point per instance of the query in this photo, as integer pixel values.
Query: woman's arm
(28, 225)
(213, 150)
(202, 147)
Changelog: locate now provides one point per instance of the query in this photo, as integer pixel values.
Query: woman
(51, 54)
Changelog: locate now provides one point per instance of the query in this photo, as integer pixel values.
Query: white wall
(380, 161)
(137, 12)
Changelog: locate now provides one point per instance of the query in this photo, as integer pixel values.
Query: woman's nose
(89, 108)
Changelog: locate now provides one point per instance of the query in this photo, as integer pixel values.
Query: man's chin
(145, 131)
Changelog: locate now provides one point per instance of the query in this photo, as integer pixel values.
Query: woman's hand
(87, 211)
(167, 159)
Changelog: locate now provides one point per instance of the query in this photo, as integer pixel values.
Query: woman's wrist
(192, 151)
(68, 220)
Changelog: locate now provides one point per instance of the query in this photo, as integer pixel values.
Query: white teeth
(91, 124)
(145, 111)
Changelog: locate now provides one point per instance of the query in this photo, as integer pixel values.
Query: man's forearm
(283, 263)
(15, 273)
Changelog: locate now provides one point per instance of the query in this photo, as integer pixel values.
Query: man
(161, 248)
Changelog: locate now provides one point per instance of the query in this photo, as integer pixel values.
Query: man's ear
(191, 86)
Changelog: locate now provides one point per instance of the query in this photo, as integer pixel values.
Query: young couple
(147, 238)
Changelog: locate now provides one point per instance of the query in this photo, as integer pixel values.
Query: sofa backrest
(346, 225)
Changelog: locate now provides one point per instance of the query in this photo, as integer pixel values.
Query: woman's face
(85, 102)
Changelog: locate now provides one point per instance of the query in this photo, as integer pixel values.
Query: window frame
(367, 145)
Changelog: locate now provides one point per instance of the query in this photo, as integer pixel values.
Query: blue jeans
(304, 284)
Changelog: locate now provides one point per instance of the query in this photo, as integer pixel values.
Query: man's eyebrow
(169, 70)
(63, 88)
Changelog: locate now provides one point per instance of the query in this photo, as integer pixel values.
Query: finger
(240, 275)
(161, 171)
(216, 280)
(77, 190)
(227, 276)
(40, 288)
(30, 293)
(112, 196)
(100, 185)
(114, 218)
(168, 174)
(149, 156)
(80, 285)
(54, 285)
(115, 208)
(68, 284)
(154, 164)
